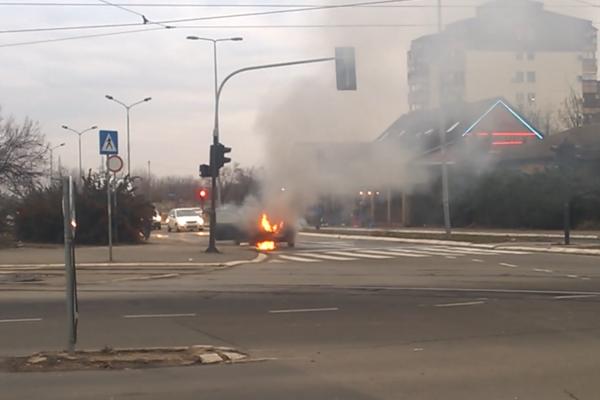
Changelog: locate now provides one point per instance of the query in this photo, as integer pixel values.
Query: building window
(530, 55)
(530, 76)
(531, 98)
(518, 77)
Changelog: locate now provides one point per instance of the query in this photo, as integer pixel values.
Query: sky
(65, 82)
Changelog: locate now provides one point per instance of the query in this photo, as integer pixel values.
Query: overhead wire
(63, 39)
(144, 19)
(206, 18)
(582, 4)
(290, 26)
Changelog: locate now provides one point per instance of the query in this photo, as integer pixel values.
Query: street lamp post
(212, 248)
(79, 134)
(52, 159)
(127, 108)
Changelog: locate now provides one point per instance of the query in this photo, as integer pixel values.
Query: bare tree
(571, 113)
(22, 156)
(541, 119)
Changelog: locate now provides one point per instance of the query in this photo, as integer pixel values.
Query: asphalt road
(382, 321)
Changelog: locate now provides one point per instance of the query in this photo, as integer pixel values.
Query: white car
(184, 219)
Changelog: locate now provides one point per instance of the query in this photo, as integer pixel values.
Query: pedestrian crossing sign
(109, 142)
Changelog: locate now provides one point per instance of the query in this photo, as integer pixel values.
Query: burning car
(267, 234)
(259, 231)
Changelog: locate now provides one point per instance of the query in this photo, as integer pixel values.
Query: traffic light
(345, 68)
(205, 171)
(217, 155)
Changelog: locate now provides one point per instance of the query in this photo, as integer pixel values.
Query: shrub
(39, 214)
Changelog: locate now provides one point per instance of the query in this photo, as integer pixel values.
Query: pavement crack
(571, 395)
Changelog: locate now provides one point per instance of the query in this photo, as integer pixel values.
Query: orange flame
(268, 227)
(267, 245)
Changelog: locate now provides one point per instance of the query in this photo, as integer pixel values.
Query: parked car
(184, 219)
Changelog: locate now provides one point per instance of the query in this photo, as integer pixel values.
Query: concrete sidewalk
(146, 254)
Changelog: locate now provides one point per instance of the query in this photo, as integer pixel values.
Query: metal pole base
(212, 249)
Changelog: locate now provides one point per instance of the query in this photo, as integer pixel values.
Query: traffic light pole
(212, 246)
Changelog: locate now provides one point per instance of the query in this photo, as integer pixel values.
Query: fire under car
(258, 231)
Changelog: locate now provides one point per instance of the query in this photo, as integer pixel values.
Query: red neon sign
(507, 134)
(507, 142)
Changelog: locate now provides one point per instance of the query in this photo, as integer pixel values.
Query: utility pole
(79, 134)
(442, 127)
(149, 186)
(51, 149)
(127, 109)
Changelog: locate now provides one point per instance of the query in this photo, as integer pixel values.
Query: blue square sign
(109, 142)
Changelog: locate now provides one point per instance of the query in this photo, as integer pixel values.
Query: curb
(228, 264)
(555, 250)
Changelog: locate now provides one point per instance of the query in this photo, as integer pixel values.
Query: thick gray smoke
(319, 141)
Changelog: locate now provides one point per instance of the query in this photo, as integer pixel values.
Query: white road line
(483, 251)
(474, 290)
(8, 321)
(508, 265)
(585, 278)
(159, 315)
(468, 303)
(394, 253)
(577, 296)
(477, 260)
(548, 271)
(361, 255)
(301, 310)
(423, 251)
(451, 257)
(573, 276)
(327, 257)
(299, 259)
(462, 252)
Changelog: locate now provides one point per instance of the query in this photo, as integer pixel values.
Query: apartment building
(514, 49)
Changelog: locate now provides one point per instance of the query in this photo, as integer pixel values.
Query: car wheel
(291, 244)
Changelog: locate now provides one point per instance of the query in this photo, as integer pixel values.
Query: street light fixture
(52, 158)
(79, 134)
(212, 248)
(128, 107)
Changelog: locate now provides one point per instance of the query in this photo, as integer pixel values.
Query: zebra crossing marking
(394, 253)
(294, 258)
(328, 257)
(361, 255)
(356, 253)
(431, 252)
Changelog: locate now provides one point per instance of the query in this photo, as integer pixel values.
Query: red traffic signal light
(202, 194)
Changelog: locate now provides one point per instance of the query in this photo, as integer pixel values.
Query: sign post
(109, 146)
(70, 225)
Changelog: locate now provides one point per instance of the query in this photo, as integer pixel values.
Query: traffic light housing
(205, 171)
(217, 155)
(345, 68)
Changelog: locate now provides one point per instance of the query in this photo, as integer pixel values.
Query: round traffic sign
(114, 164)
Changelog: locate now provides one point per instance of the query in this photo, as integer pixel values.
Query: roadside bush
(510, 198)
(39, 214)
